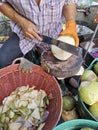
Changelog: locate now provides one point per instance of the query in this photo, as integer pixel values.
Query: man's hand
(70, 29)
(30, 30)
(25, 65)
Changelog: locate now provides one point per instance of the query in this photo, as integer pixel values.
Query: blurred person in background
(29, 19)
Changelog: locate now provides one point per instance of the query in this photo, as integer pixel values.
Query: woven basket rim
(37, 69)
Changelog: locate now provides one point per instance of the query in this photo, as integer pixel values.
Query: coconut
(94, 110)
(67, 39)
(68, 103)
(87, 128)
(88, 75)
(69, 115)
(88, 92)
(60, 53)
(95, 68)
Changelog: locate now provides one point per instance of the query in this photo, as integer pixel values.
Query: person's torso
(47, 12)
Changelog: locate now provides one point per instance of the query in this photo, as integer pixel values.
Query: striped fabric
(47, 17)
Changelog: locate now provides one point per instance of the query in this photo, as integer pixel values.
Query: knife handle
(46, 39)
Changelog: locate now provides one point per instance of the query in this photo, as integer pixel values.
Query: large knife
(63, 45)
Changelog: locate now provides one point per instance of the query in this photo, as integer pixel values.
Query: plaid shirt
(47, 17)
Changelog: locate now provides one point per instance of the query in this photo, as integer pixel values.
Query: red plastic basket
(11, 78)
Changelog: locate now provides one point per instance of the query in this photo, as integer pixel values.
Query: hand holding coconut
(69, 33)
(58, 52)
(69, 12)
(70, 30)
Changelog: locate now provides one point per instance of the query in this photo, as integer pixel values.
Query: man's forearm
(69, 12)
(8, 10)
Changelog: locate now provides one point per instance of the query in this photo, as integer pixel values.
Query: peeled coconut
(67, 39)
(88, 75)
(88, 92)
(94, 110)
(95, 68)
(60, 53)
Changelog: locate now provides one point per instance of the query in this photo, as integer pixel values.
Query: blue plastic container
(77, 124)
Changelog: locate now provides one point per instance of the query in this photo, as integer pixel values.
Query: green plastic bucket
(77, 124)
(82, 107)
